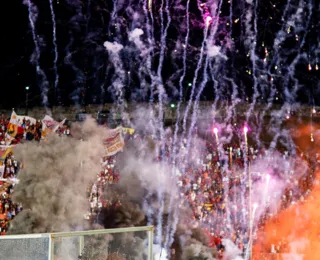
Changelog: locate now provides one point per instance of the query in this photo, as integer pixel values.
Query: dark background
(86, 72)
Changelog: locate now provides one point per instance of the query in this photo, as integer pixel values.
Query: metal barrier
(93, 244)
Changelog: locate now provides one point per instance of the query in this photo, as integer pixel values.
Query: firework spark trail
(150, 36)
(161, 90)
(215, 89)
(117, 86)
(56, 81)
(281, 36)
(291, 67)
(32, 9)
(151, 124)
(291, 94)
(253, 55)
(151, 40)
(194, 83)
(245, 179)
(172, 210)
(196, 103)
(214, 29)
(113, 16)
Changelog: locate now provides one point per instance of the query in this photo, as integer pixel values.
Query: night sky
(86, 70)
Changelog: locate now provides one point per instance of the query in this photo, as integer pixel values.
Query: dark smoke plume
(53, 184)
(54, 179)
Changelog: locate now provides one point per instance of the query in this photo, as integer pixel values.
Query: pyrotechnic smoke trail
(150, 36)
(252, 215)
(291, 94)
(186, 43)
(44, 83)
(253, 56)
(113, 16)
(186, 113)
(214, 29)
(280, 37)
(281, 34)
(247, 171)
(172, 210)
(215, 90)
(266, 191)
(196, 103)
(161, 90)
(291, 68)
(56, 81)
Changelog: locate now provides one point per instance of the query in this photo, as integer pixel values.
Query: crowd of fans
(27, 132)
(210, 186)
(213, 185)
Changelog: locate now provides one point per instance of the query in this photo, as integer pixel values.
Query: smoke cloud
(54, 179)
(52, 190)
(295, 230)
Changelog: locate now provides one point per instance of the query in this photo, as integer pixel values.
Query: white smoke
(215, 51)
(113, 47)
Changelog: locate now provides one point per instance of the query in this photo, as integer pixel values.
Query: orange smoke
(297, 228)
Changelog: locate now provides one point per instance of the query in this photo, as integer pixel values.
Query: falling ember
(309, 67)
(150, 5)
(312, 139)
(268, 177)
(245, 130)
(317, 67)
(208, 20)
(215, 130)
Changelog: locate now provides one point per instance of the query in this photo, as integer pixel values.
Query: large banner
(4, 151)
(15, 126)
(114, 143)
(49, 125)
(18, 120)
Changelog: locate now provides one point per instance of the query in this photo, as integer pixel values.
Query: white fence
(126, 243)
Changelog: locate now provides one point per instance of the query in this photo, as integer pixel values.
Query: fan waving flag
(15, 127)
(15, 124)
(49, 125)
(114, 143)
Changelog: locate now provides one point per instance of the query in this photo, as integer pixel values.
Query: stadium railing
(90, 245)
